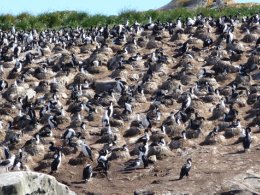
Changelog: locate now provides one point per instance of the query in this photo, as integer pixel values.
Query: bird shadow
(175, 179)
(235, 143)
(78, 182)
(231, 192)
(237, 152)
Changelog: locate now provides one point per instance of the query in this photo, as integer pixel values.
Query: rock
(20, 183)
(244, 183)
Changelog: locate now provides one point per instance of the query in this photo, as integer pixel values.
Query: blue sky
(107, 7)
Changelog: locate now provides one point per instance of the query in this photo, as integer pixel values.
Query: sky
(106, 7)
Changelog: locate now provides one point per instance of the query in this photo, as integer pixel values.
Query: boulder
(244, 183)
(26, 182)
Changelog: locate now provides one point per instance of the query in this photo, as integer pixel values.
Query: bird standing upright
(185, 169)
(56, 162)
(87, 173)
(247, 139)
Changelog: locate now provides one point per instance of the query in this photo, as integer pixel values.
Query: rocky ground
(219, 168)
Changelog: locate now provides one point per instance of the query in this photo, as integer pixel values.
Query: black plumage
(247, 140)
(5, 162)
(87, 173)
(207, 42)
(185, 169)
(53, 148)
(6, 152)
(56, 162)
(146, 161)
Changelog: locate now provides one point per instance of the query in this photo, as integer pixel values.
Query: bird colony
(90, 104)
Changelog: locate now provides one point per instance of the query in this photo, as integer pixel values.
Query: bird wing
(5, 162)
(88, 150)
(183, 170)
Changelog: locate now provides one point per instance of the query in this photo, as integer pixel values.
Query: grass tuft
(55, 20)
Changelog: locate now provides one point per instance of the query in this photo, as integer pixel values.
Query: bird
(52, 122)
(56, 162)
(7, 163)
(110, 110)
(146, 161)
(33, 141)
(68, 134)
(87, 173)
(128, 108)
(186, 103)
(247, 140)
(53, 148)
(134, 164)
(6, 152)
(144, 138)
(18, 162)
(105, 118)
(178, 141)
(103, 161)
(119, 152)
(3, 84)
(86, 150)
(185, 169)
(45, 131)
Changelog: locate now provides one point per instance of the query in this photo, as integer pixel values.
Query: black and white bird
(207, 42)
(144, 138)
(128, 108)
(3, 84)
(52, 122)
(146, 161)
(18, 66)
(103, 161)
(86, 150)
(7, 163)
(56, 162)
(247, 140)
(68, 134)
(134, 164)
(18, 162)
(105, 118)
(185, 169)
(110, 110)
(186, 103)
(35, 140)
(87, 173)
(6, 152)
(53, 148)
